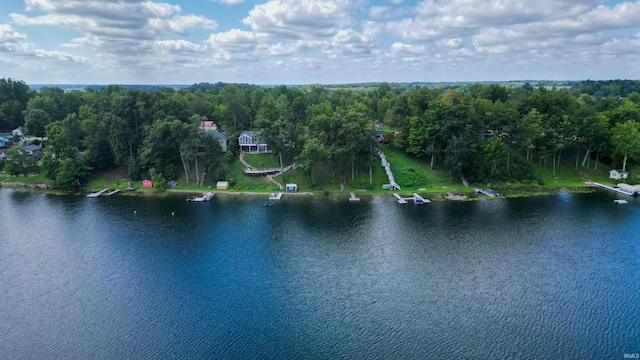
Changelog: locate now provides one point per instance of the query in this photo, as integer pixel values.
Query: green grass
(33, 179)
(268, 160)
(412, 173)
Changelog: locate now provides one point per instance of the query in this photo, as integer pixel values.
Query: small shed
(291, 187)
(147, 183)
(618, 174)
(222, 185)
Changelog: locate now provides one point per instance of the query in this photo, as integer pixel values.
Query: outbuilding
(617, 174)
(222, 185)
(147, 183)
(291, 187)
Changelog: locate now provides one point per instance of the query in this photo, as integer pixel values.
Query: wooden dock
(401, 200)
(618, 190)
(353, 198)
(454, 197)
(97, 194)
(275, 197)
(113, 192)
(419, 200)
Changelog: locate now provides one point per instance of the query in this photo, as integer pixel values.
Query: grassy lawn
(33, 179)
(269, 160)
(413, 174)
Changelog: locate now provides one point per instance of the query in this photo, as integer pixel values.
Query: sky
(317, 41)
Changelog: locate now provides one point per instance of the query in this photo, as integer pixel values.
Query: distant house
(34, 151)
(222, 138)
(618, 174)
(6, 140)
(18, 131)
(249, 142)
(3, 154)
(379, 135)
(208, 125)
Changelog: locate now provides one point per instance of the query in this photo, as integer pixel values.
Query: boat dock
(401, 200)
(353, 198)
(488, 192)
(97, 194)
(275, 197)
(451, 196)
(618, 190)
(419, 200)
(113, 192)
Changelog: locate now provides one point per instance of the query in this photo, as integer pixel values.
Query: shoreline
(431, 195)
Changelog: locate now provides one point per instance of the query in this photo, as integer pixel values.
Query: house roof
(219, 135)
(6, 135)
(33, 147)
(247, 133)
(618, 171)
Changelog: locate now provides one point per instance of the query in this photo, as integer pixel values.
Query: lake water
(552, 277)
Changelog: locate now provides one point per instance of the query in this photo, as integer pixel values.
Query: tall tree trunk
(353, 169)
(586, 156)
(624, 164)
(433, 159)
(554, 164)
(281, 166)
(197, 171)
(577, 157)
(185, 165)
(313, 182)
(597, 157)
(370, 173)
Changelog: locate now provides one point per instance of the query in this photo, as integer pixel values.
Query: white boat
(620, 201)
(205, 197)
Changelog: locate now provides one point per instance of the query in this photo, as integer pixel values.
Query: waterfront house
(18, 131)
(3, 154)
(208, 126)
(34, 151)
(222, 139)
(250, 142)
(617, 174)
(6, 140)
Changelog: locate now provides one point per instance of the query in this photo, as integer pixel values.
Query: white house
(208, 125)
(249, 142)
(222, 138)
(617, 174)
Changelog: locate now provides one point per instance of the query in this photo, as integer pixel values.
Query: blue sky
(316, 41)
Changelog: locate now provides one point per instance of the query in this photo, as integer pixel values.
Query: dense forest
(478, 132)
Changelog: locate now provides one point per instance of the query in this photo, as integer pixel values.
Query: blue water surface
(552, 277)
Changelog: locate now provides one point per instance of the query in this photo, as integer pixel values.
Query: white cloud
(300, 18)
(180, 46)
(229, 2)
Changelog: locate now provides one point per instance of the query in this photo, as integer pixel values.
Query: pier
(113, 192)
(419, 200)
(454, 197)
(97, 194)
(275, 197)
(393, 185)
(618, 190)
(353, 198)
(401, 200)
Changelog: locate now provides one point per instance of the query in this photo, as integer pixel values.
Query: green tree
(16, 161)
(35, 122)
(625, 140)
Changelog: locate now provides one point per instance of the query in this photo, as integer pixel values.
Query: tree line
(480, 133)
